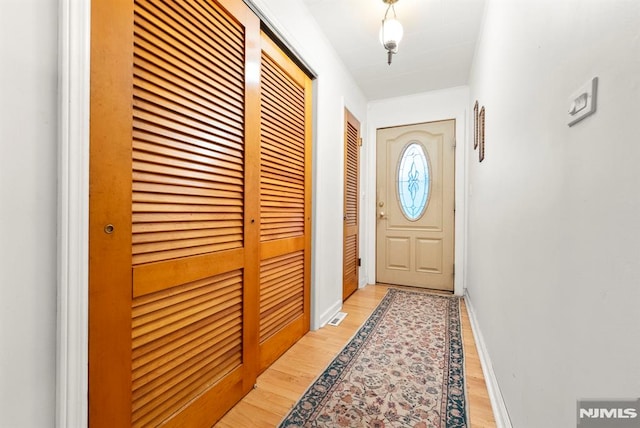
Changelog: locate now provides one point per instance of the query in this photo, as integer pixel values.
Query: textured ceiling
(435, 53)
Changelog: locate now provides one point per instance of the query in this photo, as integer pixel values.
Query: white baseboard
(328, 314)
(362, 282)
(497, 402)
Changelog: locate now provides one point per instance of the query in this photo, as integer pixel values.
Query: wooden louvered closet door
(174, 211)
(285, 202)
(351, 197)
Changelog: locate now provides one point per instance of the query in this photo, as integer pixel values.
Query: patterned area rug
(403, 368)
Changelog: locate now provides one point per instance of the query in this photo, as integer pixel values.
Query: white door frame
(418, 108)
(72, 356)
(73, 213)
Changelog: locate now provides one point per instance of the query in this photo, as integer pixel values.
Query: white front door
(415, 205)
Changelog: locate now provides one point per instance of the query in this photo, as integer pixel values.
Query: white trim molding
(497, 401)
(73, 213)
(325, 317)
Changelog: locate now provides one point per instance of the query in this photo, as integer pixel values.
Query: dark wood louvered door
(351, 211)
(176, 214)
(285, 202)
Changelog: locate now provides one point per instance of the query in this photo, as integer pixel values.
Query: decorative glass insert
(414, 181)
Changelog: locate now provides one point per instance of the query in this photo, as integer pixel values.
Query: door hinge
(360, 141)
(455, 143)
(359, 261)
(453, 270)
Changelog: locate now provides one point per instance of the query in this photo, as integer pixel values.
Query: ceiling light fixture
(391, 31)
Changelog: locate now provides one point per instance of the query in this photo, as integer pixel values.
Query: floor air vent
(337, 319)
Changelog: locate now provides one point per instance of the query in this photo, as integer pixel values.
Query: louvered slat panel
(188, 132)
(281, 292)
(184, 340)
(285, 95)
(351, 194)
(282, 154)
(351, 188)
(180, 40)
(276, 134)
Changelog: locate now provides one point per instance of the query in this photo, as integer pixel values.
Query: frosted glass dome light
(391, 34)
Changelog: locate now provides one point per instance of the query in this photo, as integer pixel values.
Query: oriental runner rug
(403, 368)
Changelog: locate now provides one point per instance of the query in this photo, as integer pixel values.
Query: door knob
(382, 214)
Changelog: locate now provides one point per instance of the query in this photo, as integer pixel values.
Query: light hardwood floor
(280, 386)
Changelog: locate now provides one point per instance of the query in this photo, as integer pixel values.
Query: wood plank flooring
(280, 386)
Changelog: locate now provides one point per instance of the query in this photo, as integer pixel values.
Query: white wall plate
(583, 102)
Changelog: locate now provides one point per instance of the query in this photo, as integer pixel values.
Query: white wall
(554, 229)
(28, 159)
(424, 107)
(335, 89)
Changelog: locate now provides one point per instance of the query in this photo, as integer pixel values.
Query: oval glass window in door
(413, 181)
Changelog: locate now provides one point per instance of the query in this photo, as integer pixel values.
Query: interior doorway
(415, 205)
